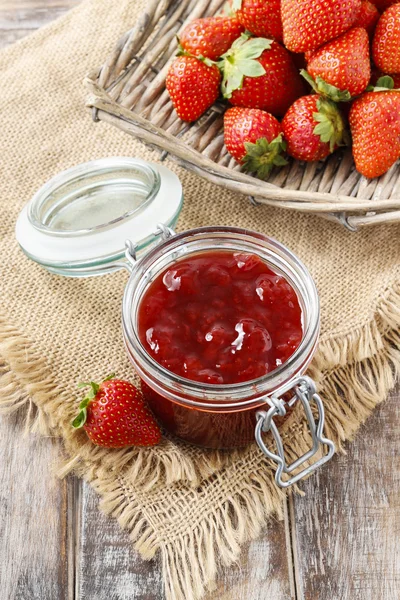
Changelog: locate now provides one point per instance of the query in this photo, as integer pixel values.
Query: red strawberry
(375, 128)
(261, 17)
(210, 37)
(193, 86)
(386, 44)
(382, 5)
(368, 17)
(307, 24)
(343, 63)
(254, 138)
(259, 73)
(313, 128)
(114, 415)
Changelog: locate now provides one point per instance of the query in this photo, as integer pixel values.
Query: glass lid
(77, 223)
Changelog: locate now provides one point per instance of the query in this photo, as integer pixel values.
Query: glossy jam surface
(220, 317)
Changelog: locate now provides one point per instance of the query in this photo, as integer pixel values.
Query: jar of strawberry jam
(220, 323)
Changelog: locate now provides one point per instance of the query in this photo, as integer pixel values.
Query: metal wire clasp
(131, 248)
(304, 390)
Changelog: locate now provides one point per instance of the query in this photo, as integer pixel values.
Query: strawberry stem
(264, 155)
(240, 61)
(182, 52)
(331, 128)
(81, 417)
(321, 87)
(384, 84)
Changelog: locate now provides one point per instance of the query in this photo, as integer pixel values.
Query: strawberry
(261, 17)
(368, 17)
(313, 128)
(307, 24)
(254, 138)
(114, 415)
(259, 73)
(210, 37)
(375, 127)
(193, 86)
(386, 43)
(343, 63)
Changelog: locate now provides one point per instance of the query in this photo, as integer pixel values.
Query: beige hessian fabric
(194, 507)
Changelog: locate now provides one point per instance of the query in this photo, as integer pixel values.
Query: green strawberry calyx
(263, 155)
(94, 387)
(182, 52)
(241, 61)
(384, 84)
(331, 128)
(321, 87)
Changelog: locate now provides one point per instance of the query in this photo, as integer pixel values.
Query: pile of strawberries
(300, 76)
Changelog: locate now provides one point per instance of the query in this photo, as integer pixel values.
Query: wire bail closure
(304, 390)
(131, 247)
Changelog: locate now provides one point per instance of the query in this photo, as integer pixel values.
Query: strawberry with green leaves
(261, 17)
(313, 128)
(114, 415)
(386, 43)
(341, 69)
(307, 24)
(210, 37)
(193, 86)
(375, 127)
(254, 138)
(259, 73)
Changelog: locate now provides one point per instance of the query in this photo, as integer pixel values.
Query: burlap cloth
(194, 507)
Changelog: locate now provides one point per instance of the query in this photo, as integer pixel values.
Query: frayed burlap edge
(355, 372)
(25, 381)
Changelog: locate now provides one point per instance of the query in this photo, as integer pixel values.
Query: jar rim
(234, 394)
(79, 182)
(102, 250)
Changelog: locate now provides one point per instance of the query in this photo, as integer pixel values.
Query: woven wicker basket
(129, 92)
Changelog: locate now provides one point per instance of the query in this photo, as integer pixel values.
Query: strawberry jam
(220, 317)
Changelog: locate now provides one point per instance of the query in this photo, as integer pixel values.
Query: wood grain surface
(339, 542)
(18, 18)
(347, 527)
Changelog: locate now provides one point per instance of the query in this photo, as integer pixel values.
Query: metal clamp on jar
(78, 224)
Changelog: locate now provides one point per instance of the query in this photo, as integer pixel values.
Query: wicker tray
(129, 92)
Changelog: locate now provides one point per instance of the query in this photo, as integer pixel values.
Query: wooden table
(339, 542)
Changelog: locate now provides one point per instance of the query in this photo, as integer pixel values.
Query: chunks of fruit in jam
(220, 317)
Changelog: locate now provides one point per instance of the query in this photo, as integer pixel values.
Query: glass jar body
(205, 428)
(215, 416)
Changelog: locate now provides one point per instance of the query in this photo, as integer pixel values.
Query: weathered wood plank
(347, 527)
(18, 18)
(108, 567)
(265, 570)
(33, 517)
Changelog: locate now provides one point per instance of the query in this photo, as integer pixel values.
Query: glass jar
(223, 416)
(70, 227)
